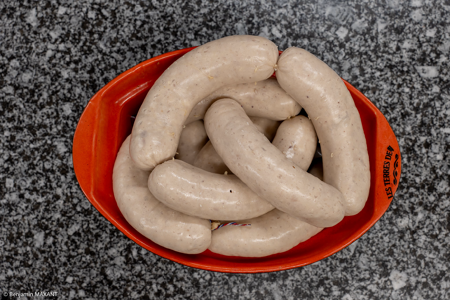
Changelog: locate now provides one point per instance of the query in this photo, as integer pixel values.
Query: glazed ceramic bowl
(106, 122)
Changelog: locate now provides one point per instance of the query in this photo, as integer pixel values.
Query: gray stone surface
(55, 55)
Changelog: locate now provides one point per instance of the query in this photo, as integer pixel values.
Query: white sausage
(154, 220)
(196, 192)
(322, 93)
(266, 171)
(192, 139)
(227, 61)
(266, 126)
(297, 140)
(208, 159)
(265, 99)
(269, 234)
(275, 231)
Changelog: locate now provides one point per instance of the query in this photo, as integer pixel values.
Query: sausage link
(275, 231)
(266, 171)
(323, 95)
(264, 99)
(199, 193)
(297, 140)
(266, 126)
(210, 161)
(269, 234)
(154, 220)
(192, 140)
(227, 61)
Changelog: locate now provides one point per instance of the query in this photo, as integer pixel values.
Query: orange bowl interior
(106, 122)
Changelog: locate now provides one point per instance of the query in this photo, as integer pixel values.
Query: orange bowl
(106, 122)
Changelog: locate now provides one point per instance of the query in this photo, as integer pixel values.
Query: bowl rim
(82, 164)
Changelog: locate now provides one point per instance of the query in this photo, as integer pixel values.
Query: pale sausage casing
(208, 159)
(203, 194)
(154, 220)
(297, 140)
(275, 231)
(266, 171)
(324, 96)
(227, 61)
(266, 126)
(269, 234)
(263, 99)
(192, 139)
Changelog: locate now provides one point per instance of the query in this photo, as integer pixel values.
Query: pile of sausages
(169, 181)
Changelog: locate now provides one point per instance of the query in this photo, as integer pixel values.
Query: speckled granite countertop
(55, 55)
